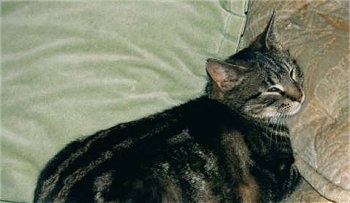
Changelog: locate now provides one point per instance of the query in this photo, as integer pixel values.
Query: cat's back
(81, 157)
(132, 149)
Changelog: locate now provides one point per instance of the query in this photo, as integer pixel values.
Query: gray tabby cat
(230, 145)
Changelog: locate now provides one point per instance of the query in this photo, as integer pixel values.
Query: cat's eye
(275, 89)
(292, 74)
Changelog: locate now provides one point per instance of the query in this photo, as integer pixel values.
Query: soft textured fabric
(317, 35)
(70, 69)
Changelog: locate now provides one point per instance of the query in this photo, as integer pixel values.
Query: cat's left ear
(225, 75)
(268, 39)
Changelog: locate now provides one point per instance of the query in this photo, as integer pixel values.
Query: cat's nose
(296, 94)
(298, 97)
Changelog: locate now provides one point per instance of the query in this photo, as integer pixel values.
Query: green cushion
(70, 69)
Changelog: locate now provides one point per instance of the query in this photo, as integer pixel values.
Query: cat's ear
(268, 39)
(225, 75)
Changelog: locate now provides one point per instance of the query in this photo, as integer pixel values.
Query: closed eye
(276, 89)
(273, 89)
(293, 75)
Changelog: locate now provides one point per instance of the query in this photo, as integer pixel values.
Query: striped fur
(230, 145)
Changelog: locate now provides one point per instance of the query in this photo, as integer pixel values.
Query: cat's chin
(270, 117)
(274, 116)
(293, 110)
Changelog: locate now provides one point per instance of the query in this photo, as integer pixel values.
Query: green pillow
(70, 69)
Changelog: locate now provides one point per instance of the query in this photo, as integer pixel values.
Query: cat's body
(230, 145)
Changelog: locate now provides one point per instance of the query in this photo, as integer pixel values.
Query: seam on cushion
(321, 184)
(244, 26)
(231, 14)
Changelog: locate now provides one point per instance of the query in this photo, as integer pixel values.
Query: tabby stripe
(287, 66)
(94, 153)
(280, 139)
(268, 59)
(275, 134)
(77, 175)
(271, 60)
(270, 81)
(80, 173)
(254, 96)
(50, 182)
(275, 65)
(280, 130)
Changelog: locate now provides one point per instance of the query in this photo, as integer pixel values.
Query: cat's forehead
(278, 61)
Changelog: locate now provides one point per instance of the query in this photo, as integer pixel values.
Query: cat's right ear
(268, 39)
(225, 75)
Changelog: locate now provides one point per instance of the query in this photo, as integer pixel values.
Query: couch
(69, 69)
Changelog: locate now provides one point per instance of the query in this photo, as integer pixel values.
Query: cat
(229, 145)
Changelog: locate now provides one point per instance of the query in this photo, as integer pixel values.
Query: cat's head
(261, 81)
